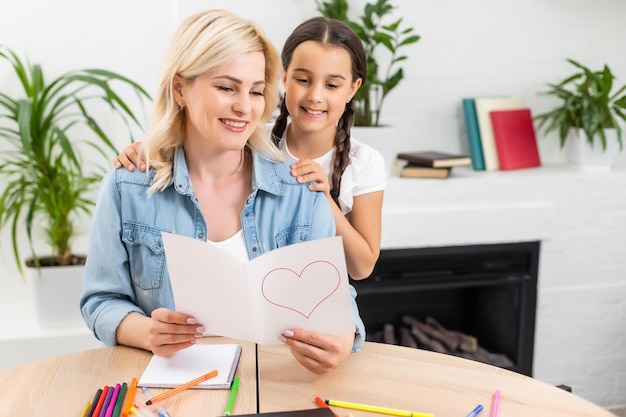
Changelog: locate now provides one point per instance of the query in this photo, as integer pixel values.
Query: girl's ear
(353, 88)
(284, 78)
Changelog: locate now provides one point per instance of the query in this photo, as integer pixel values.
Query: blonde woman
(214, 175)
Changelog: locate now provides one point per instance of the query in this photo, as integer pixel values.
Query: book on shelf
(484, 106)
(420, 171)
(514, 135)
(435, 159)
(473, 134)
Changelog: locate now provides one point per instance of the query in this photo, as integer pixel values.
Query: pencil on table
(130, 397)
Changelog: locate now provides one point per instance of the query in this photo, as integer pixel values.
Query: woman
(324, 64)
(214, 175)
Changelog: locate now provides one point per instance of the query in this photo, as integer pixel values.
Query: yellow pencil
(84, 414)
(380, 410)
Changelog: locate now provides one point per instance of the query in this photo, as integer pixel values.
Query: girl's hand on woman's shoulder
(307, 170)
(130, 158)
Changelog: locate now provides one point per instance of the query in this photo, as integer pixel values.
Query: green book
(473, 134)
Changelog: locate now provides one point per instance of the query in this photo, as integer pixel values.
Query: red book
(515, 139)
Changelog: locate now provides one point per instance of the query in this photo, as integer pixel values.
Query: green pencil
(120, 400)
(231, 398)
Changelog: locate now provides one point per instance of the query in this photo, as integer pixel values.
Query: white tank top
(234, 245)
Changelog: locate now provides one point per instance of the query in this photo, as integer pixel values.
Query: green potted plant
(383, 70)
(44, 130)
(382, 40)
(590, 111)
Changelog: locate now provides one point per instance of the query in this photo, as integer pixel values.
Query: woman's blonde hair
(203, 42)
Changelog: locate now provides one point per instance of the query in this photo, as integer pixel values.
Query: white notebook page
(191, 363)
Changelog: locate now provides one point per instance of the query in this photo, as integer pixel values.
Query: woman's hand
(170, 331)
(307, 170)
(317, 352)
(130, 158)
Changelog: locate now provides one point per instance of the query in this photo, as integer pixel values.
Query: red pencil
(96, 411)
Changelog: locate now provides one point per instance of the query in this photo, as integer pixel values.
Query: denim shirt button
(131, 239)
(200, 236)
(247, 214)
(157, 246)
(254, 249)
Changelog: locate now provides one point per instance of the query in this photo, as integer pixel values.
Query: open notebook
(188, 364)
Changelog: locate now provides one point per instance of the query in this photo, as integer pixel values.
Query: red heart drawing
(301, 292)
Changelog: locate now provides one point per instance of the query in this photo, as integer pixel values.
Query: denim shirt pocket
(291, 235)
(146, 255)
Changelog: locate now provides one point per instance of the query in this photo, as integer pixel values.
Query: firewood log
(406, 339)
(389, 335)
(450, 341)
(483, 355)
(423, 340)
(467, 343)
(462, 342)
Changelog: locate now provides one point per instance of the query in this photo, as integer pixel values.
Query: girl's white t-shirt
(364, 174)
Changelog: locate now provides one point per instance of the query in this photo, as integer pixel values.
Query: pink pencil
(496, 401)
(113, 401)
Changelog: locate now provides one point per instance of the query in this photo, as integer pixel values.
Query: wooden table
(61, 386)
(382, 375)
(412, 379)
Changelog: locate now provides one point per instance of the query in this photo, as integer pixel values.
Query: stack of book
(501, 133)
(431, 164)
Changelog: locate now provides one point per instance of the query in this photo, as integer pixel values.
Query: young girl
(324, 64)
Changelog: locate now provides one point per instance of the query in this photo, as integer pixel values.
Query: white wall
(468, 48)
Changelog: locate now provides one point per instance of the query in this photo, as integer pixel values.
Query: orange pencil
(183, 387)
(130, 397)
(323, 404)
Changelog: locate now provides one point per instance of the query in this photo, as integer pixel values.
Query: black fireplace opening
(488, 292)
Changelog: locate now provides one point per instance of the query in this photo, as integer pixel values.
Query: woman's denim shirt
(126, 269)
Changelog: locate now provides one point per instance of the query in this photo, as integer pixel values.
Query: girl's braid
(342, 150)
(281, 123)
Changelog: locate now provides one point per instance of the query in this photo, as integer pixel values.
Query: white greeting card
(304, 285)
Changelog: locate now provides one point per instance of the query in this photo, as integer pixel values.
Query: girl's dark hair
(334, 32)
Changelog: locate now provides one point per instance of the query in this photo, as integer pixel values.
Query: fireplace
(486, 291)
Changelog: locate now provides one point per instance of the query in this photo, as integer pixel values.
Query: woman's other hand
(170, 331)
(164, 333)
(319, 353)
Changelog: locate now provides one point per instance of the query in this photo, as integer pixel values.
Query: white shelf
(22, 340)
